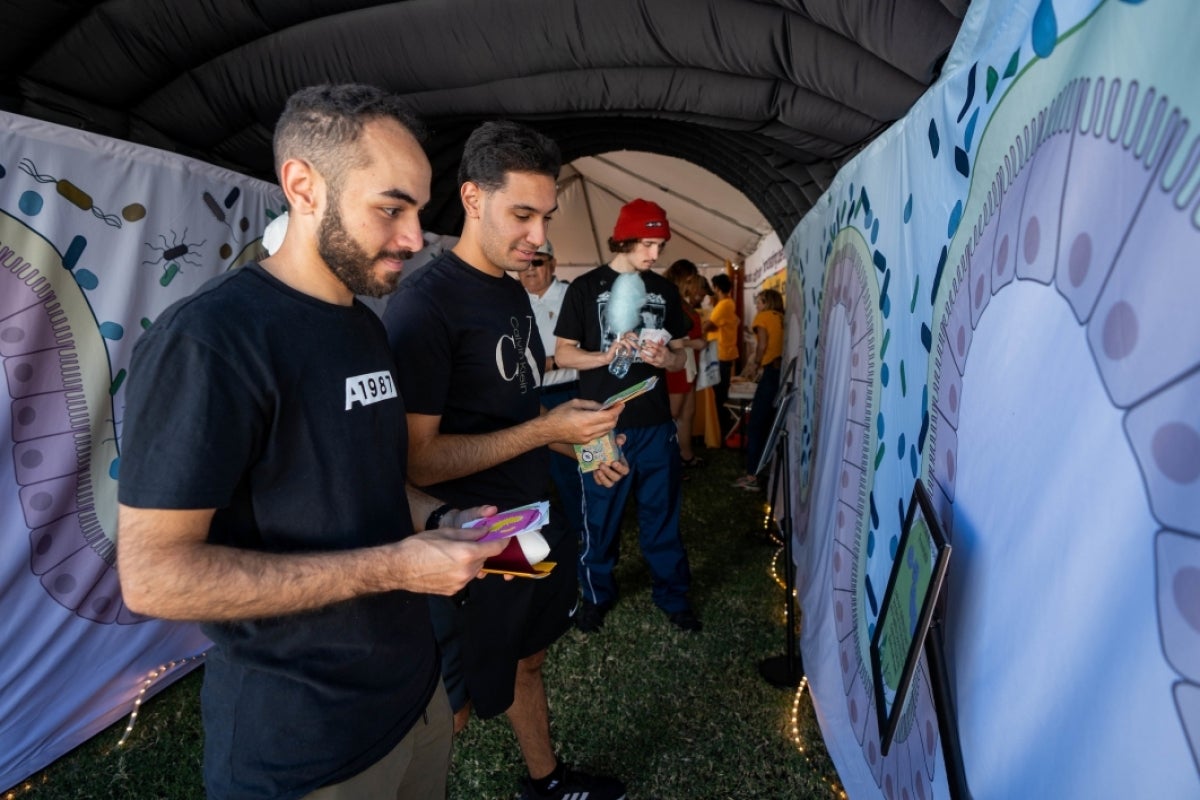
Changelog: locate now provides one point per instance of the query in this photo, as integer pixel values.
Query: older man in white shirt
(558, 385)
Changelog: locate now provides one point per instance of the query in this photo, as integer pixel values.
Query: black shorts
(501, 622)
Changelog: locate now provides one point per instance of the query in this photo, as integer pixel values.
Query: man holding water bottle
(621, 324)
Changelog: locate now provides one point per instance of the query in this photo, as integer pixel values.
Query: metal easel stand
(943, 702)
(786, 670)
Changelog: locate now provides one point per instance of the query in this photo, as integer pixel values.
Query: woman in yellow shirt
(724, 320)
(768, 355)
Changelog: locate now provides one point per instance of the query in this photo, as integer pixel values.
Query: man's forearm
(454, 455)
(205, 582)
(167, 569)
(571, 356)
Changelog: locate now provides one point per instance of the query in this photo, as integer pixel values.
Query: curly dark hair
(497, 148)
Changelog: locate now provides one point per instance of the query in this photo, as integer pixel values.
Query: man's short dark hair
(321, 124)
(495, 149)
(721, 283)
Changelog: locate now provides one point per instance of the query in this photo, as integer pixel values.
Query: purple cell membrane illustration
(1044, 149)
(1040, 223)
(852, 301)
(62, 376)
(64, 448)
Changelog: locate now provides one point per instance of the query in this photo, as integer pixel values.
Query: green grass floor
(674, 715)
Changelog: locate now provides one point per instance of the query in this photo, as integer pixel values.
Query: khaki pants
(415, 769)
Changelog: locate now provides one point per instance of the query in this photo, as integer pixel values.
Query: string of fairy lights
(151, 678)
(794, 728)
(25, 788)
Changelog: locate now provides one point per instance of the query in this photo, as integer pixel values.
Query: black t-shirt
(281, 412)
(467, 349)
(582, 320)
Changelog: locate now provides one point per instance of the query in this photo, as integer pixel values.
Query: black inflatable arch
(770, 95)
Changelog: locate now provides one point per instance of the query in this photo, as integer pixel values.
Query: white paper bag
(708, 373)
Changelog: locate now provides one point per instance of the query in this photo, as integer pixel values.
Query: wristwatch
(435, 519)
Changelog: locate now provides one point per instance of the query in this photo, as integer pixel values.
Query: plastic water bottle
(619, 366)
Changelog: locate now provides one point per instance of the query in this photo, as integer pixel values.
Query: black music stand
(786, 670)
(786, 384)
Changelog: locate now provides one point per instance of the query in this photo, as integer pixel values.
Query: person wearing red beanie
(585, 341)
(640, 219)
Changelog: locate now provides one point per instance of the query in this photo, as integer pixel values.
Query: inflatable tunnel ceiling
(772, 96)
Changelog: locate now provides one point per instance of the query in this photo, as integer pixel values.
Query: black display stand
(786, 670)
(943, 703)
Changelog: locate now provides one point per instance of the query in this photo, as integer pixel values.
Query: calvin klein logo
(515, 346)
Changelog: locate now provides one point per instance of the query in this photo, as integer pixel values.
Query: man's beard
(349, 262)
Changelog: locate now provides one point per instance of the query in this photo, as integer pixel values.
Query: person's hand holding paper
(526, 551)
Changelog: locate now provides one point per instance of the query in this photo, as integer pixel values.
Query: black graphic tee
(582, 319)
(467, 349)
(281, 411)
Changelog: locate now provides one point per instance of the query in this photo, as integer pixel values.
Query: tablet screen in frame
(916, 579)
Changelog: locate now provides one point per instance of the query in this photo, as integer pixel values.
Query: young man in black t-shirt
(260, 491)
(470, 366)
(586, 339)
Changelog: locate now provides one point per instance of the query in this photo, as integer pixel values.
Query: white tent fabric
(711, 221)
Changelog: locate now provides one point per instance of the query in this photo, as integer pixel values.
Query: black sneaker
(686, 620)
(589, 617)
(577, 786)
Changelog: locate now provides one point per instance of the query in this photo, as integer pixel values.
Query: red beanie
(641, 219)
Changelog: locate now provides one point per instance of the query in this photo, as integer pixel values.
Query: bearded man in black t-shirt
(262, 468)
(470, 367)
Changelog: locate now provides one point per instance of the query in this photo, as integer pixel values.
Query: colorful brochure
(527, 549)
(630, 392)
(605, 449)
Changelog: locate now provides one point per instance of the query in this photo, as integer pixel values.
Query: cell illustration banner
(997, 298)
(97, 237)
